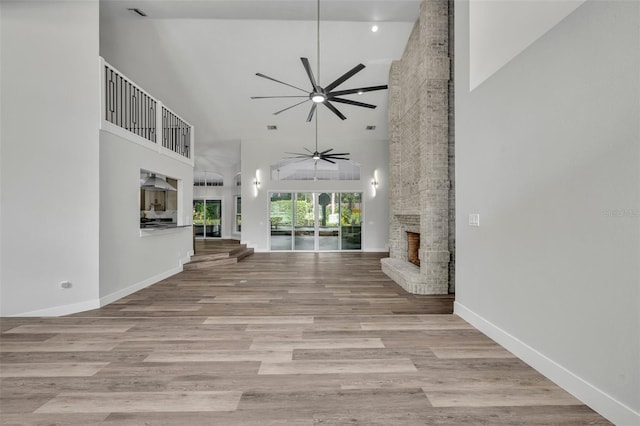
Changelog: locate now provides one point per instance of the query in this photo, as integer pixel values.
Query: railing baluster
(131, 108)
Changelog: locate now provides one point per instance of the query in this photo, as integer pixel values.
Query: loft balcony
(131, 112)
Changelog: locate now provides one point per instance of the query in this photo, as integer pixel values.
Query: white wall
(500, 30)
(548, 153)
(49, 154)
(257, 156)
(129, 261)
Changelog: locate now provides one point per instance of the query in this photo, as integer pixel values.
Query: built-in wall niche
(158, 200)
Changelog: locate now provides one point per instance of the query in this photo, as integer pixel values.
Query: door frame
(203, 236)
(316, 219)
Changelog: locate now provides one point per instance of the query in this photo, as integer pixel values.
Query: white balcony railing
(129, 107)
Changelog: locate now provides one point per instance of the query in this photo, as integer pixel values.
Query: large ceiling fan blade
(344, 77)
(300, 154)
(325, 159)
(281, 82)
(308, 150)
(307, 68)
(273, 97)
(327, 150)
(350, 102)
(295, 105)
(358, 90)
(338, 153)
(313, 109)
(334, 110)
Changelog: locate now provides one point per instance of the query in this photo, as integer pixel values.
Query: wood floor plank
(471, 352)
(54, 328)
(56, 346)
(339, 366)
(291, 344)
(69, 419)
(508, 397)
(51, 369)
(127, 402)
(414, 326)
(289, 319)
(219, 355)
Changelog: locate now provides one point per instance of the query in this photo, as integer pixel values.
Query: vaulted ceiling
(201, 57)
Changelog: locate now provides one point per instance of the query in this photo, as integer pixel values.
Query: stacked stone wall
(421, 149)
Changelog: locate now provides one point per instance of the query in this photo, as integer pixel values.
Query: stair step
(209, 263)
(239, 249)
(219, 253)
(244, 253)
(207, 257)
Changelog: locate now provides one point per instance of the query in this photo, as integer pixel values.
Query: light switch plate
(474, 219)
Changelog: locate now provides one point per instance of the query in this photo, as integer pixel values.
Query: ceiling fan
(324, 95)
(316, 155)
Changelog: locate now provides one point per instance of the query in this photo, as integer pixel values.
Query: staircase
(211, 253)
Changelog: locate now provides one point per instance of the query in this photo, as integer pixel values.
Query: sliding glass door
(304, 221)
(207, 218)
(281, 220)
(307, 221)
(351, 221)
(328, 224)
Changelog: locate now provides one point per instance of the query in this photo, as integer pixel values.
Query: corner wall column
(434, 141)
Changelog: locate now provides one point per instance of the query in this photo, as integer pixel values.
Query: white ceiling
(200, 58)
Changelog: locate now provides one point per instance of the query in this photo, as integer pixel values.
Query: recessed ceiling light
(370, 127)
(272, 127)
(360, 92)
(374, 28)
(137, 11)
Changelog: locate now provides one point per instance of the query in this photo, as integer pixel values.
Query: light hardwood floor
(278, 339)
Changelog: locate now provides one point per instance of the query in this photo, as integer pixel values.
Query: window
(238, 214)
(201, 178)
(295, 169)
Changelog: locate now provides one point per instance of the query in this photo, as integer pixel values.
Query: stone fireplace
(421, 155)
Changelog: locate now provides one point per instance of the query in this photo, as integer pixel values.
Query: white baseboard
(607, 406)
(57, 311)
(110, 298)
(74, 308)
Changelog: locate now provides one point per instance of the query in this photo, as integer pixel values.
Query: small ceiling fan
(316, 155)
(324, 95)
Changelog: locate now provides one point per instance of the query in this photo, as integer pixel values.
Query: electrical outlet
(474, 219)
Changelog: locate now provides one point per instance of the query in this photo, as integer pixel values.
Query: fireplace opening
(413, 245)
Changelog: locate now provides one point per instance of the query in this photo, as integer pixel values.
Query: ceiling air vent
(272, 127)
(370, 127)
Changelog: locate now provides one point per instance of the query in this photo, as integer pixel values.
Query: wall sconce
(256, 183)
(375, 182)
